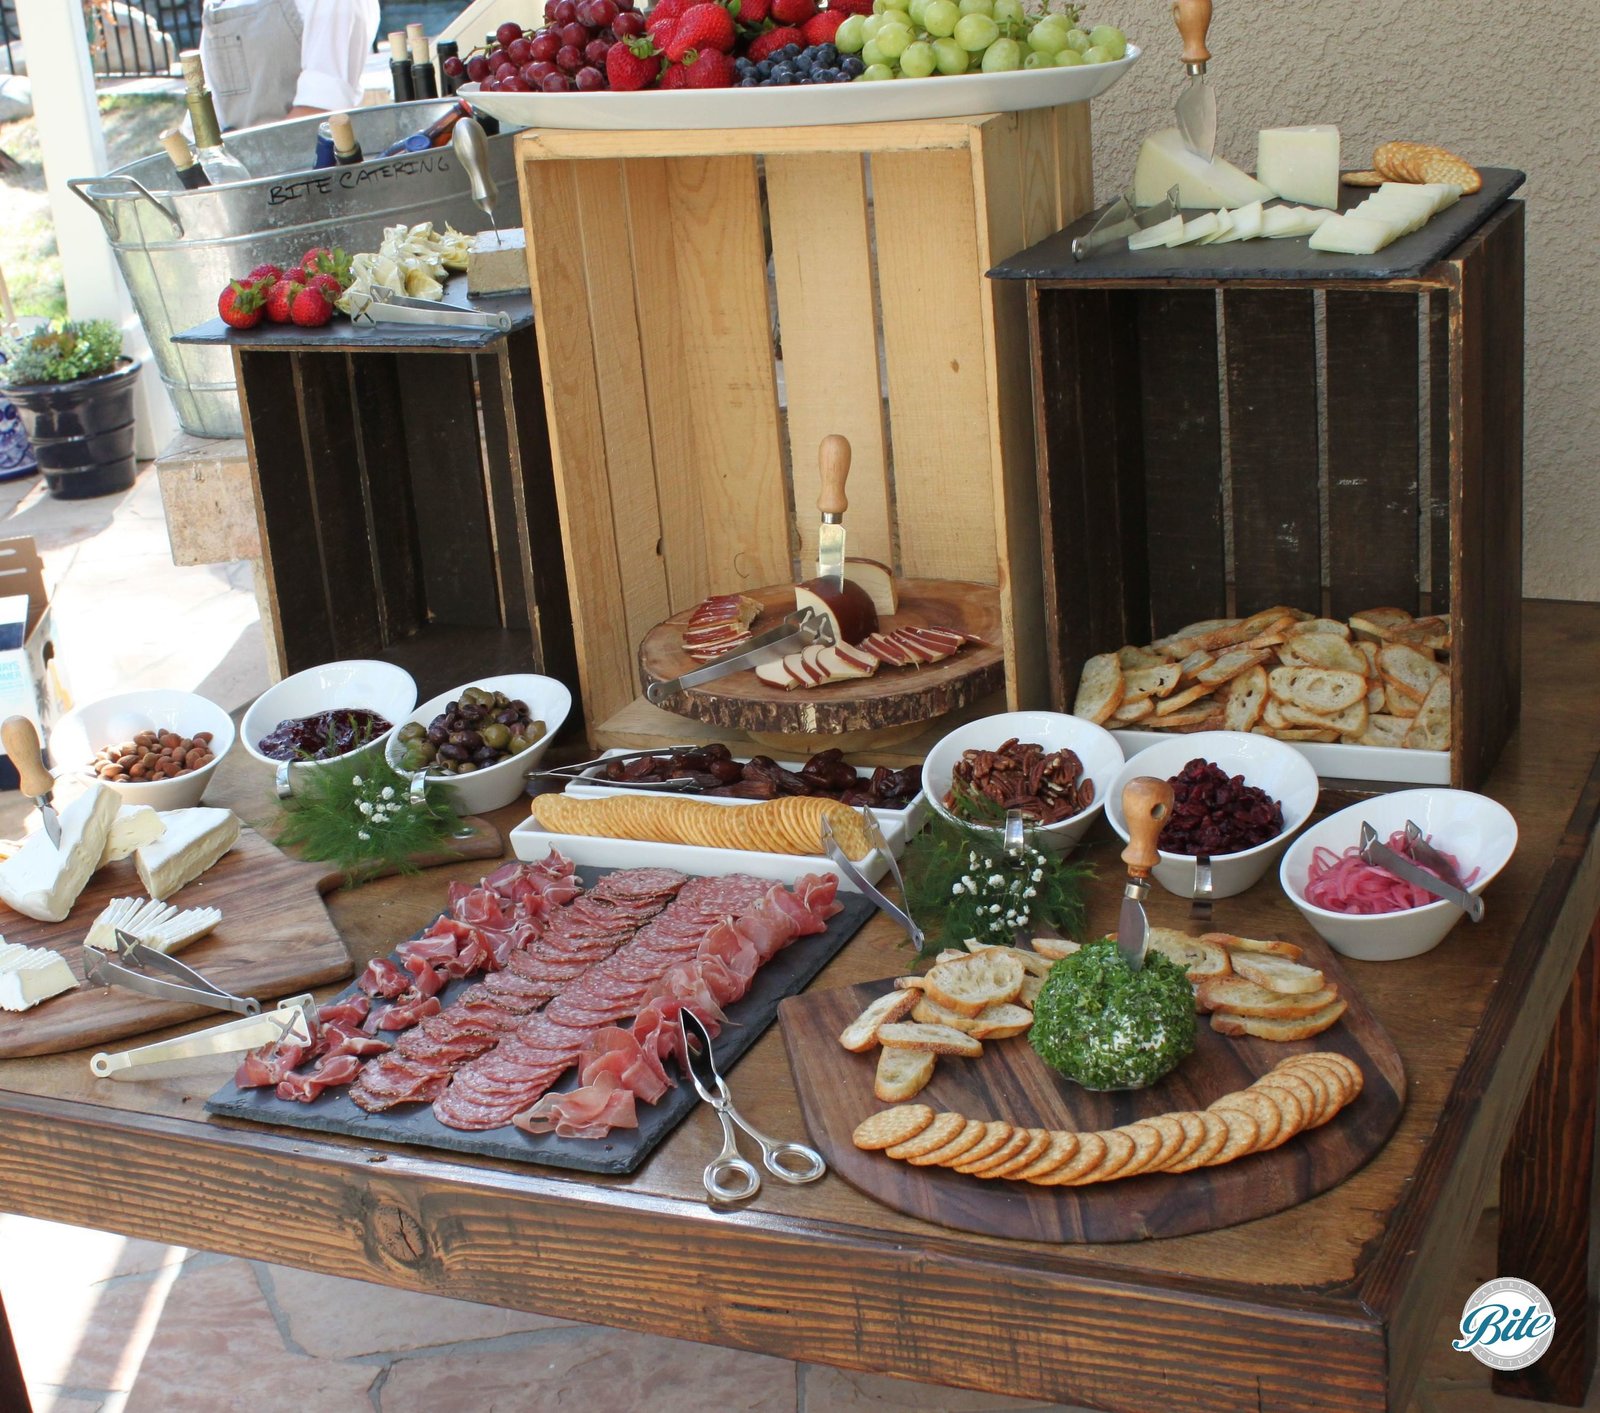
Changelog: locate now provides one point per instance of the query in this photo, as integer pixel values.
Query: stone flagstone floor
(110, 1325)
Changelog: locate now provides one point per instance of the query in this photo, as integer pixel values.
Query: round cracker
(1090, 1154)
(1295, 1081)
(1118, 1154)
(1173, 1137)
(1268, 1116)
(1148, 1141)
(1038, 1141)
(994, 1134)
(940, 1130)
(1015, 1140)
(972, 1130)
(1193, 1131)
(1324, 1087)
(1348, 1071)
(1214, 1139)
(891, 1126)
(1333, 1078)
(1244, 1133)
(1063, 1148)
(1291, 1111)
(1363, 179)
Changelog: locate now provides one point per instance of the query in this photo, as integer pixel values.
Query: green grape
(1109, 38)
(894, 12)
(876, 73)
(1077, 39)
(1092, 55)
(893, 41)
(1045, 39)
(870, 25)
(1036, 60)
(918, 10)
(976, 7)
(1002, 56)
(950, 56)
(939, 18)
(851, 35)
(871, 55)
(975, 33)
(1067, 58)
(1008, 12)
(918, 61)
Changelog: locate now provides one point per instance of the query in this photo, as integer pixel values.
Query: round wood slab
(1009, 1081)
(891, 697)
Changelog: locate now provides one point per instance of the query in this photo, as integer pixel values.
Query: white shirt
(263, 57)
(336, 37)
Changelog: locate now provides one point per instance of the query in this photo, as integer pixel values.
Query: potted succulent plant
(73, 387)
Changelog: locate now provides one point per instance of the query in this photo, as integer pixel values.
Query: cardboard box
(29, 685)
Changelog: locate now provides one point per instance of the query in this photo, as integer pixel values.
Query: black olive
(506, 717)
(471, 740)
(486, 755)
(451, 751)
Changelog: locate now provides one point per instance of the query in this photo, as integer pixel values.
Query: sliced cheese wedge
(1224, 225)
(29, 975)
(1166, 161)
(158, 925)
(193, 840)
(1352, 235)
(1443, 193)
(134, 826)
(44, 881)
(1195, 230)
(1155, 235)
(1245, 223)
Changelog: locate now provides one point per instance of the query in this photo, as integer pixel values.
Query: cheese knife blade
(799, 630)
(1146, 806)
(1376, 852)
(21, 740)
(834, 463)
(1197, 104)
(472, 149)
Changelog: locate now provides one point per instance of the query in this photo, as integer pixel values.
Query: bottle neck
(207, 131)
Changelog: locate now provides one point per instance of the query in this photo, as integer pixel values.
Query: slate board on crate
(1289, 259)
(786, 974)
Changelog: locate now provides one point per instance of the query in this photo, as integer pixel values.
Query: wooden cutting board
(893, 700)
(1009, 1081)
(275, 939)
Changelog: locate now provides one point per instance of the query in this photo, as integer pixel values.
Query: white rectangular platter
(1333, 761)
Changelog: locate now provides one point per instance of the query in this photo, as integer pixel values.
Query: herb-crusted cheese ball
(1108, 1026)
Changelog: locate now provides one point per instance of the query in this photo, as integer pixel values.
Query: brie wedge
(29, 975)
(44, 881)
(134, 826)
(192, 841)
(160, 926)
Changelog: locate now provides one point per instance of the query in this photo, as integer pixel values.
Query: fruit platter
(605, 64)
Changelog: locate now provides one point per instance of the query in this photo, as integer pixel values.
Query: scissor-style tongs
(290, 1021)
(382, 305)
(730, 1177)
(899, 915)
(152, 973)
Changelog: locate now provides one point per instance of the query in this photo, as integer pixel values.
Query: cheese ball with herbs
(480, 729)
(1107, 1026)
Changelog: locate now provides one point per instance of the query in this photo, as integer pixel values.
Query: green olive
(464, 766)
(412, 731)
(413, 760)
(495, 735)
(535, 732)
(517, 744)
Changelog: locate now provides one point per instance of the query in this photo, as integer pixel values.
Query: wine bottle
(452, 72)
(324, 157)
(400, 66)
(424, 81)
(346, 150)
(190, 173)
(219, 165)
(436, 134)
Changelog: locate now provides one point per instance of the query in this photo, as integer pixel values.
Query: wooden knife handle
(21, 740)
(834, 461)
(1146, 806)
(1194, 19)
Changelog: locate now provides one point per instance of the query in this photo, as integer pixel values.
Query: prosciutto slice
(352, 1010)
(328, 1072)
(269, 1065)
(342, 1038)
(383, 978)
(590, 1112)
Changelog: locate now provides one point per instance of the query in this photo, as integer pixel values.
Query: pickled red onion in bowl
(1347, 883)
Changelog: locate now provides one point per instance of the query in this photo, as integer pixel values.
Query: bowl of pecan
(155, 747)
(1055, 768)
(1238, 799)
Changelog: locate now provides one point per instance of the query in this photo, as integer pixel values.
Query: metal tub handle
(77, 184)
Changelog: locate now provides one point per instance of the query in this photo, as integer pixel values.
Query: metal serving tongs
(289, 1020)
(730, 1177)
(1449, 887)
(575, 770)
(831, 847)
(152, 973)
(381, 305)
(799, 630)
(1122, 219)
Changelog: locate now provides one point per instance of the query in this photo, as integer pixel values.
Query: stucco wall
(1515, 85)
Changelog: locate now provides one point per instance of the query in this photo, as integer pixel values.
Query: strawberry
(263, 272)
(764, 46)
(631, 64)
(328, 284)
(851, 7)
(241, 304)
(311, 261)
(280, 298)
(665, 10)
(793, 12)
(703, 26)
(311, 309)
(710, 68)
(675, 76)
(749, 12)
(821, 28)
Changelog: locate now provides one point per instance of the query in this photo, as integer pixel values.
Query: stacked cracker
(1417, 162)
(1376, 680)
(790, 825)
(1302, 1092)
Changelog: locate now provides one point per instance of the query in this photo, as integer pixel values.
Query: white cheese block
(135, 825)
(1195, 230)
(498, 268)
(1155, 235)
(878, 580)
(158, 925)
(44, 881)
(1352, 235)
(29, 975)
(1165, 161)
(1300, 164)
(1246, 223)
(193, 841)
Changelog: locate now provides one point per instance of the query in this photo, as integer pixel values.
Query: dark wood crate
(1213, 446)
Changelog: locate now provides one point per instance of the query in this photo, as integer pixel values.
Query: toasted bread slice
(1031, 987)
(1378, 623)
(1178, 700)
(1136, 710)
(862, 1033)
(1263, 1028)
(1192, 664)
(993, 1023)
(1397, 703)
(1318, 625)
(1352, 720)
(1325, 691)
(1201, 718)
(933, 1039)
(1054, 948)
(1149, 682)
(1245, 998)
(1275, 973)
(1383, 730)
(1193, 635)
(1408, 670)
(1325, 650)
(1131, 658)
(902, 1074)
(1099, 689)
(1199, 957)
(1032, 962)
(1245, 699)
(1432, 634)
(1230, 664)
(1431, 730)
(1278, 615)
(1288, 950)
(976, 980)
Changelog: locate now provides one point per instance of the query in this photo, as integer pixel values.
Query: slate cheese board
(1288, 259)
(624, 1149)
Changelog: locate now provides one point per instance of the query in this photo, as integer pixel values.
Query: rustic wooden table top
(1327, 1305)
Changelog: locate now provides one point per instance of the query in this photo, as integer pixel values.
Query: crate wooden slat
(686, 392)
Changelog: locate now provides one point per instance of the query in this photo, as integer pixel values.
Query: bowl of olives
(481, 741)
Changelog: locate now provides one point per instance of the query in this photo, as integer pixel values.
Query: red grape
(519, 52)
(490, 86)
(590, 80)
(545, 45)
(478, 69)
(570, 58)
(556, 83)
(513, 85)
(574, 34)
(507, 32)
(528, 75)
(542, 70)
(628, 24)
(506, 71)
(585, 15)
(550, 11)
(604, 11)
(494, 58)
(595, 52)
(566, 12)
(453, 66)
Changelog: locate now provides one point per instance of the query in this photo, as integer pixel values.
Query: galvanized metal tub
(177, 249)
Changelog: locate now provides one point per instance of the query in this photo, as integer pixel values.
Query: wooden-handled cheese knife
(21, 740)
(1146, 807)
(1197, 104)
(834, 463)
(798, 631)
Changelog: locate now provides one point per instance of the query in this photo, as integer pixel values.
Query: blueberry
(783, 79)
(827, 54)
(764, 68)
(748, 82)
(852, 66)
(790, 51)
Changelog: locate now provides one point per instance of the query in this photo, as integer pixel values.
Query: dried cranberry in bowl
(1215, 813)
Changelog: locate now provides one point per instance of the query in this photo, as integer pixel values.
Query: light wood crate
(687, 396)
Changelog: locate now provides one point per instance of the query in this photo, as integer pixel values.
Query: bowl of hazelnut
(155, 747)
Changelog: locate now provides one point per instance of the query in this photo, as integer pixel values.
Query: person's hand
(300, 111)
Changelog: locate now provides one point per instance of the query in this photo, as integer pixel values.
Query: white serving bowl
(84, 730)
(497, 785)
(356, 684)
(1054, 730)
(1479, 832)
(1271, 765)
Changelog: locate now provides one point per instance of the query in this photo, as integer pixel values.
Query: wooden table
(1332, 1305)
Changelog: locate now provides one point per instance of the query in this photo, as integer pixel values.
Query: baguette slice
(1132, 658)
(1199, 957)
(1318, 625)
(1277, 973)
(1032, 962)
(1325, 650)
(1136, 710)
(1244, 998)
(1100, 689)
(932, 1039)
(976, 980)
(1245, 699)
(995, 1023)
(1431, 729)
(902, 1073)
(1143, 682)
(1324, 690)
(862, 1033)
(1234, 943)
(1408, 670)
(1054, 948)
(1299, 1028)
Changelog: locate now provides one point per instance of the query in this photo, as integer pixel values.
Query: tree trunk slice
(891, 697)
(1009, 1081)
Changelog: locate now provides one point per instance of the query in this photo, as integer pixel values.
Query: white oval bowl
(84, 730)
(357, 683)
(1480, 832)
(1055, 731)
(498, 785)
(1271, 765)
